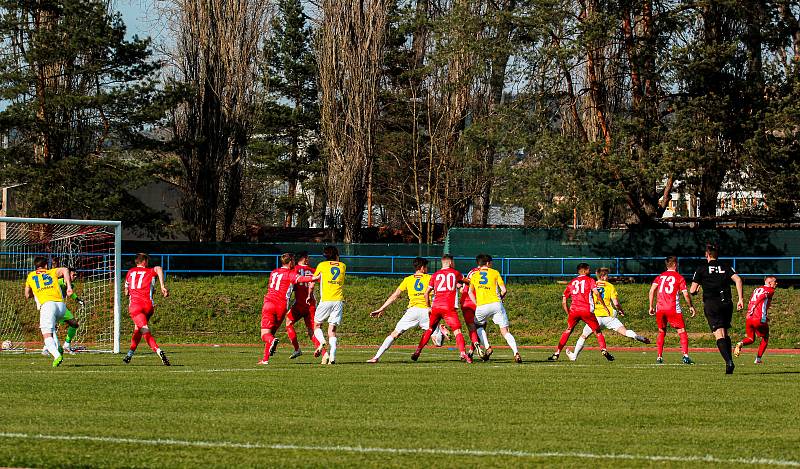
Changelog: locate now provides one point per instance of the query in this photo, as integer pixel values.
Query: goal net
(92, 249)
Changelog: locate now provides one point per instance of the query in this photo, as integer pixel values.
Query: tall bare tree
(217, 44)
(350, 48)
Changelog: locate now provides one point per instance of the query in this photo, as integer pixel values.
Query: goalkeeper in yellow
(42, 284)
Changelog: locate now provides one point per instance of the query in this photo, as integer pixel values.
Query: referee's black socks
(724, 346)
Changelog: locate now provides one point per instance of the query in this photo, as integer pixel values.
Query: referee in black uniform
(716, 277)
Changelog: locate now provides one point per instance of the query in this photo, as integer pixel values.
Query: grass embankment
(228, 310)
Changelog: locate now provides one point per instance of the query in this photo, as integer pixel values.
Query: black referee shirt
(715, 278)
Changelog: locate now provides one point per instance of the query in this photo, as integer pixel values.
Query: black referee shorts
(718, 314)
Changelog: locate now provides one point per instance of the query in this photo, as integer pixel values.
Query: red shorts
(469, 314)
(586, 316)
(756, 327)
(140, 314)
(673, 318)
(302, 311)
(272, 315)
(450, 317)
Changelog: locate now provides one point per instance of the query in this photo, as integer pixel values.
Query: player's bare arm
(564, 305)
(471, 293)
(394, 296)
(650, 310)
(739, 291)
(428, 292)
(28, 292)
(503, 291)
(694, 288)
(160, 274)
(64, 273)
(689, 302)
(618, 305)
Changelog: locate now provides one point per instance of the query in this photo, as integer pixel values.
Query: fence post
(562, 266)
(223, 263)
(392, 264)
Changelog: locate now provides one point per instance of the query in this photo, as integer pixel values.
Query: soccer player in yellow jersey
(417, 313)
(607, 317)
(42, 284)
(487, 290)
(330, 274)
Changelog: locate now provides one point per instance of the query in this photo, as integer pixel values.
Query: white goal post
(93, 248)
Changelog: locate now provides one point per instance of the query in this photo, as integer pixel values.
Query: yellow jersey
(415, 285)
(607, 293)
(44, 284)
(331, 281)
(487, 284)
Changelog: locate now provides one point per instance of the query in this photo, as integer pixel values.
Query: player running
(42, 284)
(305, 304)
(487, 290)
(582, 289)
(139, 283)
(468, 312)
(331, 274)
(444, 284)
(417, 313)
(609, 296)
(668, 308)
(757, 323)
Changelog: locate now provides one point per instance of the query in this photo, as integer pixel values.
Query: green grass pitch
(217, 408)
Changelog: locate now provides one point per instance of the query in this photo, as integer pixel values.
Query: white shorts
(414, 317)
(496, 311)
(330, 311)
(49, 314)
(606, 322)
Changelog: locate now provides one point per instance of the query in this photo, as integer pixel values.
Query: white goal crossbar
(117, 255)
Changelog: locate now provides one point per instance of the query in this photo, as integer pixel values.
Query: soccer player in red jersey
(582, 290)
(139, 289)
(757, 323)
(279, 290)
(668, 309)
(304, 305)
(468, 311)
(444, 285)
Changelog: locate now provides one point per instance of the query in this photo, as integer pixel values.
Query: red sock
(292, 336)
(424, 340)
(135, 339)
(563, 341)
(763, 347)
(473, 336)
(150, 341)
(462, 347)
(747, 341)
(684, 342)
(601, 339)
(267, 338)
(660, 342)
(314, 339)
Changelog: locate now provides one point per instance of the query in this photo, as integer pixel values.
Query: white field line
(426, 451)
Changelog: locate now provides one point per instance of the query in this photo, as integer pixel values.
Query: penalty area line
(412, 451)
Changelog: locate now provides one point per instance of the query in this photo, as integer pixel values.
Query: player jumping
(42, 284)
(304, 305)
(757, 323)
(582, 289)
(417, 313)
(139, 283)
(668, 309)
(330, 273)
(608, 295)
(487, 290)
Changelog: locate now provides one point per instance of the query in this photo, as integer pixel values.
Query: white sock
(511, 342)
(579, 345)
(332, 349)
(631, 334)
(158, 351)
(385, 346)
(484, 338)
(52, 346)
(319, 335)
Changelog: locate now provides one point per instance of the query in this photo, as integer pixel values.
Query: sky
(139, 16)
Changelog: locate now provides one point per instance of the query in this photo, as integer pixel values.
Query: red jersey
(139, 281)
(580, 290)
(302, 291)
(445, 286)
(759, 304)
(281, 281)
(466, 301)
(670, 284)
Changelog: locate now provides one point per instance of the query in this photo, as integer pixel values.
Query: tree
(289, 119)
(78, 98)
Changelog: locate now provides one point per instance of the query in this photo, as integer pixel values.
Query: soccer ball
(7, 344)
